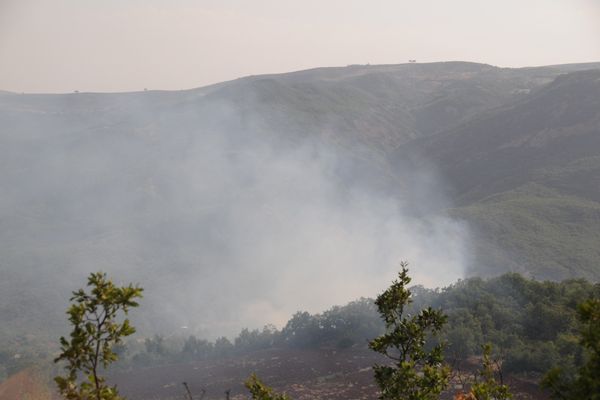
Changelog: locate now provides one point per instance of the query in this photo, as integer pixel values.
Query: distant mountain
(102, 181)
(556, 125)
(378, 106)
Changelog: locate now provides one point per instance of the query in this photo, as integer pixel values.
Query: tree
(223, 347)
(487, 388)
(416, 373)
(96, 330)
(584, 383)
(156, 345)
(302, 330)
(260, 391)
(195, 349)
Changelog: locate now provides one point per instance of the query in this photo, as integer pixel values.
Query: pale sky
(128, 45)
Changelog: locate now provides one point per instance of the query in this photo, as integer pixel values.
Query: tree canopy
(96, 329)
(417, 373)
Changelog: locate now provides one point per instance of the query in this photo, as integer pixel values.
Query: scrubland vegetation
(534, 329)
(538, 328)
(532, 325)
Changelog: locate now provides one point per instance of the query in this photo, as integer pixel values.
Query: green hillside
(536, 231)
(527, 178)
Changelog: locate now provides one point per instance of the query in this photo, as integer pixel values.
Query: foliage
(506, 311)
(223, 346)
(260, 391)
(487, 388)
(96, 330)
(585, 382)
(417, 373)
(196, 349)
(156, 345)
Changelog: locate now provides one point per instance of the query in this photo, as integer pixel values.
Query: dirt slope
(25, 385)
(303, 374)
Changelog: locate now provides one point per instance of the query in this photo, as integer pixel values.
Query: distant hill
(527, 175)
(555, 126)
(130, 183)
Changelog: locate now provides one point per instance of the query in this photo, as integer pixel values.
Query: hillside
(527, 177)
(531, 325)
(302, 374)
(542, 137)
(462, 168)
(27, 384)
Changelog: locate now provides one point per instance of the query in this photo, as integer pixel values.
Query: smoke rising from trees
(225, 221)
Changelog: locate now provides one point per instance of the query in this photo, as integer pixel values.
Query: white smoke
(226, 223)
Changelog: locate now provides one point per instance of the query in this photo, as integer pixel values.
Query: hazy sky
(125, 45)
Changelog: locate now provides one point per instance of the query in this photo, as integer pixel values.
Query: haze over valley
(285, 200)
(240, 203)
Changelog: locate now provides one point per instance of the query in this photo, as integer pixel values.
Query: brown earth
(25, 385)
(303, 374)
